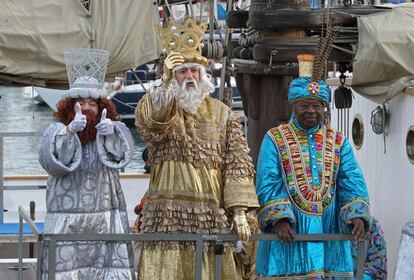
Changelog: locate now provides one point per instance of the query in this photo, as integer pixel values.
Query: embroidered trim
(317, 274)
(289, 140)
(274, 211)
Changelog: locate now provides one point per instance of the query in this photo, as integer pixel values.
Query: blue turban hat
(305, 88)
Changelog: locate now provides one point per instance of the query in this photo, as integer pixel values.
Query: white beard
(189, 99)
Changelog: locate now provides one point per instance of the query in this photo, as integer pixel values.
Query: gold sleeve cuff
(240, 192)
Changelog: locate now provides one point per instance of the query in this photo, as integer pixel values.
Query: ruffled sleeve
(60, 153)
(238, 168)
(152, 124)
(115, 151)
(352, 189)
(270, 188)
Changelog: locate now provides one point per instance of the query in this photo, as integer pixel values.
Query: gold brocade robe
(200, 169)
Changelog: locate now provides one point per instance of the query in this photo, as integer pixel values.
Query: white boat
(380, 122)
(49, 96)
(387, 162)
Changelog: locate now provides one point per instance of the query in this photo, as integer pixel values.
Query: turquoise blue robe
(311, 178)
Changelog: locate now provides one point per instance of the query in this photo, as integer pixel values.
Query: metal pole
(39, 258)
(219, 248)
(224, 61)
(198, 259)
(32, 216)
(361, 259)
(1, 180)
(211, 21)
(20, 248)
(223, 80)
(51, 267)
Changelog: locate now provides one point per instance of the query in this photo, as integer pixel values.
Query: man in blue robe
(308, 182)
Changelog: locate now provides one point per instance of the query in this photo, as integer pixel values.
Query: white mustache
(187, 81)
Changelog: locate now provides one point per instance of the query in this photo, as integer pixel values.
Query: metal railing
(50, 241)
(38, 234)
(2, 186)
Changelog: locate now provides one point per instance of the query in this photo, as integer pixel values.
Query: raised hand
(241, 225)
(173, 60)
(79, 121)
(105, 126)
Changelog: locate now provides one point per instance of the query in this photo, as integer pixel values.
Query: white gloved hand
(240, 223)
(105, 126)
(173, 60)
(79, 121)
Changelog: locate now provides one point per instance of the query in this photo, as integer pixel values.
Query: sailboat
(34, 35)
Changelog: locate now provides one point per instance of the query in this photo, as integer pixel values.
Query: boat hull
(384, 161)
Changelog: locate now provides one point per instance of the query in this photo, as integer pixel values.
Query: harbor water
(20, 113)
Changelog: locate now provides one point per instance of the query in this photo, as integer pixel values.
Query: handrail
(24, 216)
(51, 241)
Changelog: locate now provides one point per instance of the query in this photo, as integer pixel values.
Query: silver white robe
(405, 259)
(84, 196)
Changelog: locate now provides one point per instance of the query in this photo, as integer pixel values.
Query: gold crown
(185, 38)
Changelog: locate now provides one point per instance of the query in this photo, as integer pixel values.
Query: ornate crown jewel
(86, 64)
(86, 72)
(185, 38)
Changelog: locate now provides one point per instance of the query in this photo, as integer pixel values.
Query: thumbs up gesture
(105, 126)
(79, 121)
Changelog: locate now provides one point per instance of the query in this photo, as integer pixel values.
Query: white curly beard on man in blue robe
(84, 193)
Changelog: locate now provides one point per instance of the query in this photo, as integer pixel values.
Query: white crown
(86, 72)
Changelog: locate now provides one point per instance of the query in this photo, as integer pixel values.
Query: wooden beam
(257, 68)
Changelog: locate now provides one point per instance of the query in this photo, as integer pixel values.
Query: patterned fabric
(357, 208)
(274, 211)
(305, 88)
(376, 261)
(315, 174)
(310, 194)
(84, 196)
(200, 169)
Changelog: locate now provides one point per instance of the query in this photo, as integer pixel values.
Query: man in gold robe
(201, 173)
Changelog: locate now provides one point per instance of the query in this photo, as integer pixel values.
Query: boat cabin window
(409, 144)
(358, 131)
